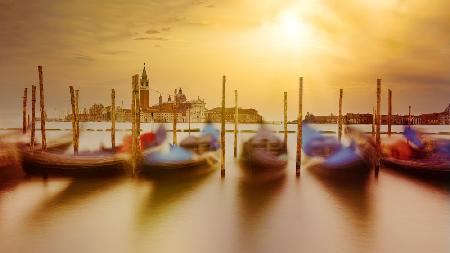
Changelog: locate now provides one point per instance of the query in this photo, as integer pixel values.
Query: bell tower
(144, 90)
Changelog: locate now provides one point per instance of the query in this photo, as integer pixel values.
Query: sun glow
(289, 25)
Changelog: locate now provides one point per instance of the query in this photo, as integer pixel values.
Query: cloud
(115, 52)
(85, 58)
(152, 31)
(151, 38)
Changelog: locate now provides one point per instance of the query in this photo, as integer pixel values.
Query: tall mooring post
(285, 130)
(33, 116)
(409, 116)
(378, 126)
(236, 121)
(299, 128)
(174, 122)
(341, 91)
(77, 122)
(135, 108)
(373, 121)
(42, 105)
(113, 119)
(222, 131)
(74, 120)
(24, 111)
(189, 120)
(389, 112)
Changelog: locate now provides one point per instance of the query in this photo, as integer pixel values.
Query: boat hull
(50, 164)
(429, 168)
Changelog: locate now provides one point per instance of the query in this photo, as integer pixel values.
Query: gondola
(177, 161)
(194, 156)
(433, 167)
(264, 156)
(418, 156)
(353, 162)
(68, 165)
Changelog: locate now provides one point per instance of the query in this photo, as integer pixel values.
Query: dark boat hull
(50, 164)
(436, 169)
(356, 170)
(202, 165)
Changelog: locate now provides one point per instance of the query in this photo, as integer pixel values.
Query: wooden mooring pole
(189, 120)
(409, 116)
(236, 120)
(389, 112)
(136, 123)
(174, 122)
(24, 111)
(77, 122)
(378, 126)
(373, 121)
(33, 116)
(285, 130)
(299, 128)
(341, 91)
(42, 104)
(222, 131)
(74, 120)
(113, 119)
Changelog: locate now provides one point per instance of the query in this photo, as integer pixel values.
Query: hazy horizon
(261, 46)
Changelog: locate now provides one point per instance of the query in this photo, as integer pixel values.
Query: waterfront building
(245, 115)
(444, 118)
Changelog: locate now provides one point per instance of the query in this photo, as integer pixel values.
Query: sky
(262, 46)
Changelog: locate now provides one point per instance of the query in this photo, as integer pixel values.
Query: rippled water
(391, 213)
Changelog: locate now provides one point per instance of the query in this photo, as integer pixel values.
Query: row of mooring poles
(26, 122)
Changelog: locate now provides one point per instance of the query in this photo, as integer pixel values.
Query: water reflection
(438, 184)
(353, 194)
(166, 193)
(256, 198)
(78, 190)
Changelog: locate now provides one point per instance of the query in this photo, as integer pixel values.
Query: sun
(290, 25)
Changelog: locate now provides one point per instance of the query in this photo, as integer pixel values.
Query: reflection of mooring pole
(299, 128)
(222, 131)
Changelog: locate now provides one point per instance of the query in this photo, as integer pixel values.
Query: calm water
(391, 213)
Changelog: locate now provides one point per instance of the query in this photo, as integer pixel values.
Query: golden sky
(262, 46)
